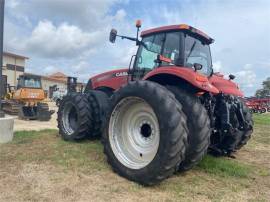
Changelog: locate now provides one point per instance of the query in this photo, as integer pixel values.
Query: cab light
(183, 26)
(201, 78)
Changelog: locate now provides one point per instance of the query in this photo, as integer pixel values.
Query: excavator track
(11, 107)
(43, 112)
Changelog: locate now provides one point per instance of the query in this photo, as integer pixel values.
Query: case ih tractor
(164, 112)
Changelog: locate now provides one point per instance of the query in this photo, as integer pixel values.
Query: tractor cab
(174, 46)
(29, 81)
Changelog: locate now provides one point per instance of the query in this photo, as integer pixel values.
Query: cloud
(246, 78)
(217, 66)
(64, 41)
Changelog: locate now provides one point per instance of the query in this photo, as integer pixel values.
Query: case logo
(121, 74)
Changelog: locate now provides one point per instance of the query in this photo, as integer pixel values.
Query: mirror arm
(127, 37)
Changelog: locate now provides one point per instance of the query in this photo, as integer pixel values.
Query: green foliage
(265, 91)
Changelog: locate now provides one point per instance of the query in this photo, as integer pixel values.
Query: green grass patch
(85, 155)
(21, 137)
(262, 119)
(224, 167)
(46, 145)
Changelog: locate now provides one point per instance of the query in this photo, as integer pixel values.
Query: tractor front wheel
(146, 133)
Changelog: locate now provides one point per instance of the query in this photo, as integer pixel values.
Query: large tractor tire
(146, 134)
(99, 104)
(198, 124)
(74, 116)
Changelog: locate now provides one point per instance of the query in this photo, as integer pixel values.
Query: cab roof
(183, 27)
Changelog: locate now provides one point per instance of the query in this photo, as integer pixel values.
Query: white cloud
(217, 66)
(246, 78)
(120, 15)
(50, 69)
(64, 41)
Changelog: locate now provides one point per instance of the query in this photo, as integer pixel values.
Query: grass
(262, 119)
(215, 179)
(46, 145)
(224, 167)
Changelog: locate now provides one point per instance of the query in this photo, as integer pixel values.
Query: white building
(13, 67)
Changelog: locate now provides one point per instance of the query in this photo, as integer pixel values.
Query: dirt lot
(39, 166)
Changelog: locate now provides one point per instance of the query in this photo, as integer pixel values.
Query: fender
(112, 79)
(225, 86)
(196, 79)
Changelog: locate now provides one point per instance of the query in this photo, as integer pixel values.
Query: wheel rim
(134, 133)
(70, 119)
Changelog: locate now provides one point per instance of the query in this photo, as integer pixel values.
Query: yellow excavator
(27, 99)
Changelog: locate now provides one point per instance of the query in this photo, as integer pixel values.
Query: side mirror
(197, 66)
(231, 77)
(113, 35)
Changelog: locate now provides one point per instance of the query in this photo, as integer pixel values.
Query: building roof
(15, 55)
(58, 74)
(61, 80)
(56, 77)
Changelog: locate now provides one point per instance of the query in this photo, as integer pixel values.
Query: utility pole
(2, 8)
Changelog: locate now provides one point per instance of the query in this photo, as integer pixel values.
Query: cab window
(197, 52)
(171, 48)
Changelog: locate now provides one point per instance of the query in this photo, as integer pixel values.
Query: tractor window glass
(171, 47)
(197, 52)
(147, 53)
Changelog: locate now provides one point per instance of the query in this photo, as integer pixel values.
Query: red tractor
(164, 112)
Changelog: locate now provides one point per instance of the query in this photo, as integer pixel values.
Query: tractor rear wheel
(146, 133)
(74, 116)
(99, 104)
(198, 124)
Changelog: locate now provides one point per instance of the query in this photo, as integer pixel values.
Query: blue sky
(72, 36)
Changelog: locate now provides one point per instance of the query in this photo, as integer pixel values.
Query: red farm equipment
(258, 105)
(164, 112)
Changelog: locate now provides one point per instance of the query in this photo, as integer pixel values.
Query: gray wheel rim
(69, 119)
(134, 133)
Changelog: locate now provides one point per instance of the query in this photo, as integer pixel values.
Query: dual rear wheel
(149, 131)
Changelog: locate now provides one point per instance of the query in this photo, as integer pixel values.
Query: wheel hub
(134, 132)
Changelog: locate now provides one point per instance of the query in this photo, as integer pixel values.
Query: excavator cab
(32, 81)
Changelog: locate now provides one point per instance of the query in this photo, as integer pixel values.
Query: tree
(265, 91)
